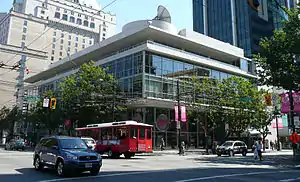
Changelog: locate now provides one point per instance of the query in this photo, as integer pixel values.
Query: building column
(143, 75)
(233, 21)
(205, 23)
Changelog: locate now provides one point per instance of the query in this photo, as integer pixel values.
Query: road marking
(287, 180)
(233, 175)
(100, 176)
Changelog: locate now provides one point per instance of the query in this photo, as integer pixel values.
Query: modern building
(149, 57)
(236, 22)
(58, 27)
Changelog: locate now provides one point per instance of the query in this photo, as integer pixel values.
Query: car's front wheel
(95, 171)
(37, 164)
(244, 153)
(60, 169)
(231, 153)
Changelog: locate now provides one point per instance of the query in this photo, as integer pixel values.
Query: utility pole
(179, 116)
(114, 102)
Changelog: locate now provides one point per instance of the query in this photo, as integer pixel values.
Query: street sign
(46, 102)
(32, 98)
(246, 99)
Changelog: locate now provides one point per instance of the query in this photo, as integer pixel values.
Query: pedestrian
(259, 150)
(255, 151)
(162, 144)
(272, 145)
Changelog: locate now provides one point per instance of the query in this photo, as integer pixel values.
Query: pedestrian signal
(53, 103)
(268, 100)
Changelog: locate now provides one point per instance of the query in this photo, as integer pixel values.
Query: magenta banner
(285, 103)
(183, 113)
(296, 98)
(176, 112)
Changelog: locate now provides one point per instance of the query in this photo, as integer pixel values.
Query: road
(17, 166)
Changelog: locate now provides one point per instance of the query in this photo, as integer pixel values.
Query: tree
(42, 117)
(91, 95)
(8, 118)
(275, 61)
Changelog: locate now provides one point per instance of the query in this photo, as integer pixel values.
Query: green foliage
(8, 117)
(275, 61)
(89, 95)
(234, 101)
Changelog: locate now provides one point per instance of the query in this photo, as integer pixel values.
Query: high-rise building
(236, 22)
(58, 28)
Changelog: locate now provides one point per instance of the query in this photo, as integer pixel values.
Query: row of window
(72, 20)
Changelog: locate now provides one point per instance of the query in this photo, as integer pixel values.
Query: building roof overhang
(129, 38)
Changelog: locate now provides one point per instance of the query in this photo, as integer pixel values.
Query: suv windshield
(226, 144)
(72, 143)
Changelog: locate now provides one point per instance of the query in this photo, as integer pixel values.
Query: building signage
(162, 122)
(182, 113)
(296, 98)
(285, 102)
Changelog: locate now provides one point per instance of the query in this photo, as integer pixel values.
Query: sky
(131, 10)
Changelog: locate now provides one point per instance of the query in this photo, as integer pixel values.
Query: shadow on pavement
(219, 174)
(271, 160)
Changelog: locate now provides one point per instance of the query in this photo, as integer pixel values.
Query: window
(24, 30)
(76, 50)
(59, 58)
(57, 9)
(42, 17)
(42, 12)
(83, 40)
(61, 47)
(72, 19)
(54, 33)
(54, 39)
(149, 133)
(69, 43)
(86, 23)
(65, 11)
(62, 35)
(53, 46)
(104, 34)
(65, 17)
(76, 39)
(133, 132)
(61, 41)
(92, 19)
(69, 49)
(52, 58)
(60, 53)
(103, 38)
(111, 19)
(53, 52)
(22, 44)
(83, 46)
(25, 22)
(104, 29)
(57, 15)
(70, 37)
(92, 25)
(86, 17)
(91, 42)
(79, 21)
(23, 37)
(72, 12)
(76, 44)
(79, 15)
(142, 133)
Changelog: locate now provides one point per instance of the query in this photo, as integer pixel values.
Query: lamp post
(179, 116)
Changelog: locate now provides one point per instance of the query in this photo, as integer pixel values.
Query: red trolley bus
(117, 138)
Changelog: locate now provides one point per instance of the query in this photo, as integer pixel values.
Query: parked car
(15, 145)
(231, 148)
(90, 142)
(66, 154)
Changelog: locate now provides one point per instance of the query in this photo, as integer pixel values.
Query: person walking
(255, 152)
(162, 144)
(259, 150)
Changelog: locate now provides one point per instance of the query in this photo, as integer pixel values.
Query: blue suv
(66, 154)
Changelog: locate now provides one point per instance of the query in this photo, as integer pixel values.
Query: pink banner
(280, 124)
(176, 112)
(285, 103)
(182, 112)
(296, 98)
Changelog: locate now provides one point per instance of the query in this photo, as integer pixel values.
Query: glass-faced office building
(235, 22)
(149, 58)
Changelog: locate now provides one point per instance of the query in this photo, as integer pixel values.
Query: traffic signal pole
(179, 116)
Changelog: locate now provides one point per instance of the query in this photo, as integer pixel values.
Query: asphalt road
(17, 167)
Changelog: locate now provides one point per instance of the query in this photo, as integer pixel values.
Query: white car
(91, 143)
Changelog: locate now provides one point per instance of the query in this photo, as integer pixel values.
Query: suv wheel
(60, 168)
(37, 164)
(110, 153)
(95, 171)
(244, 153)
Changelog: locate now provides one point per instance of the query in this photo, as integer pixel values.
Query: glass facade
(250, 27)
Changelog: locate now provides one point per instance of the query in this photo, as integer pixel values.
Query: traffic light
(268, 100)
(254, 4)
(53, 103)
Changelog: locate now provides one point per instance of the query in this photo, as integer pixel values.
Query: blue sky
(131, 10)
